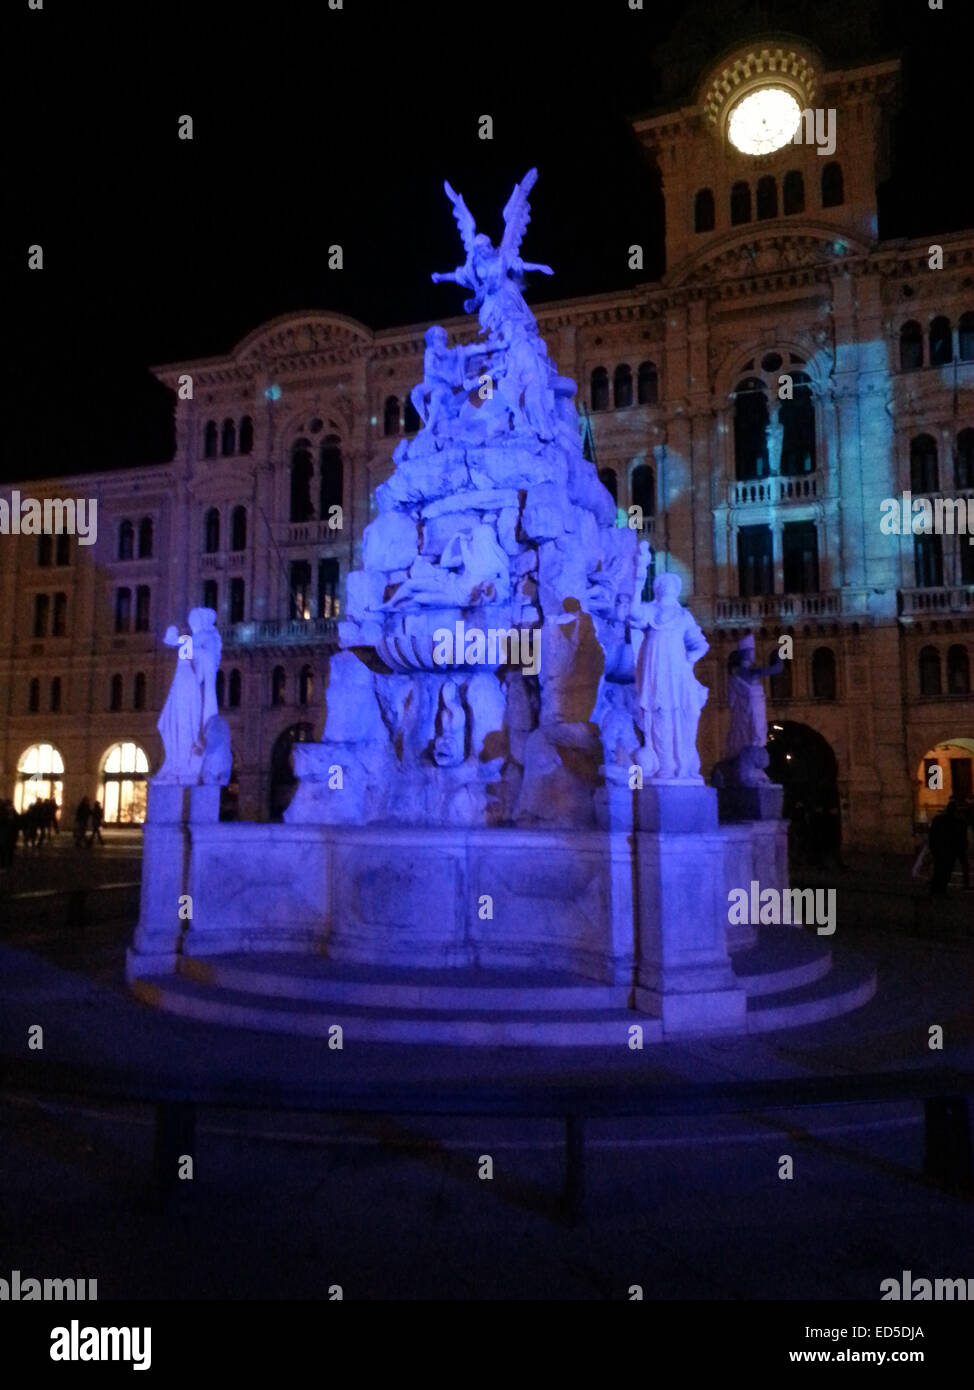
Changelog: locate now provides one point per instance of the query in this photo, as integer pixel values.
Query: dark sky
(313, 127)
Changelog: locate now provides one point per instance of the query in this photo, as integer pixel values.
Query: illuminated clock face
(763, 121)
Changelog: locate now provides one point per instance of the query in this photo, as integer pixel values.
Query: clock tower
(770, 136)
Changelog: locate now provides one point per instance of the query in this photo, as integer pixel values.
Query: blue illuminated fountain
(503, 835)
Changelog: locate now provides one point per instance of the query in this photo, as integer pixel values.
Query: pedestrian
(97, 816)
(948, 843)
(81, 817)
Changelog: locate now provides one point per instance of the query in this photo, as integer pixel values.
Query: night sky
(314, 127)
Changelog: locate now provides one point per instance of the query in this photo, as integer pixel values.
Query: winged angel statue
(494, 273)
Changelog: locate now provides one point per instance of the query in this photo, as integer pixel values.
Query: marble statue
(494, 273)
(774, 433)
(745, 757)
(191, 703)
(473, 569)
(449, 749)
(439, 396)
(668, 694)
(493, 507)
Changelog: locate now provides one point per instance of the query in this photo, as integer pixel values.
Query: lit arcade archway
(124, 784)
(39, 776)
(945, 770)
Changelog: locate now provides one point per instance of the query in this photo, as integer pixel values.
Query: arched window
(767, 199)
(608, 479)
(211, 531)
(740, 204)
(145, 538)
(793, 192)
(210, 440)
(390, 416)
(703, 211)
(39, 773)
(833, 187)
(928, 561)
(63, 556)
(328, 577)
(56, 695)
(964, 460)
(965, 337)
(211, 594)
(59, 623)
(648, 383)
(234, 700)
(941, 342)
(246, 435)
(143, 599)
(123, 610)
(228, 439)
(643, 488)
(410, 417)
(622, 386)
(924, 474)
(126, 540)
(302, 468)
(929, 664)
(238, 529)
(305, 685)
(797, 419)
(278, 685)
(823, 673)
(600, 389)
(34, 696)
(221, 688)
(124, 780)
(911, 346)
(44, 548)
(332, 475)
(138, 691)
(115, 693)
(237, 600)
(958, 670)
(750, 430)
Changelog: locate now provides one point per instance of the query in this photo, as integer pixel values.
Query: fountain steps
(789, 977)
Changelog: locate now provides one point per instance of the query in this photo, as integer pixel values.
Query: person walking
(948, 843)
(81, 817)
(97, 816)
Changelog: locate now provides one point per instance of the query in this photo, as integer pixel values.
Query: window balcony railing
(947, 598)
(303, 532)
(767, 491)
(834, 603)
(281, 632)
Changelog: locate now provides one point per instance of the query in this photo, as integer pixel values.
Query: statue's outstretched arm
(521, 266)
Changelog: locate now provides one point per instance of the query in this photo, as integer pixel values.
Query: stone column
(165, 876)
(683, 973)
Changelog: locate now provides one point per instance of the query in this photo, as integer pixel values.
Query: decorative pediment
(296, 334)
(762, 255)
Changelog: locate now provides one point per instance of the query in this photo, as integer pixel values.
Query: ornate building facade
(788, 374)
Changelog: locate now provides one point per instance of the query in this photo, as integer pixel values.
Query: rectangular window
(928, 561)
(123, 610)
(63, 549)
(300, 604)
(60, 625)
(236, 600)
(142, 608)
(42, 609)
(755, 561)
(800, 557)
(328, 588)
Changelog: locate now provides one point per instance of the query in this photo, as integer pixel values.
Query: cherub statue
(494, 273)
